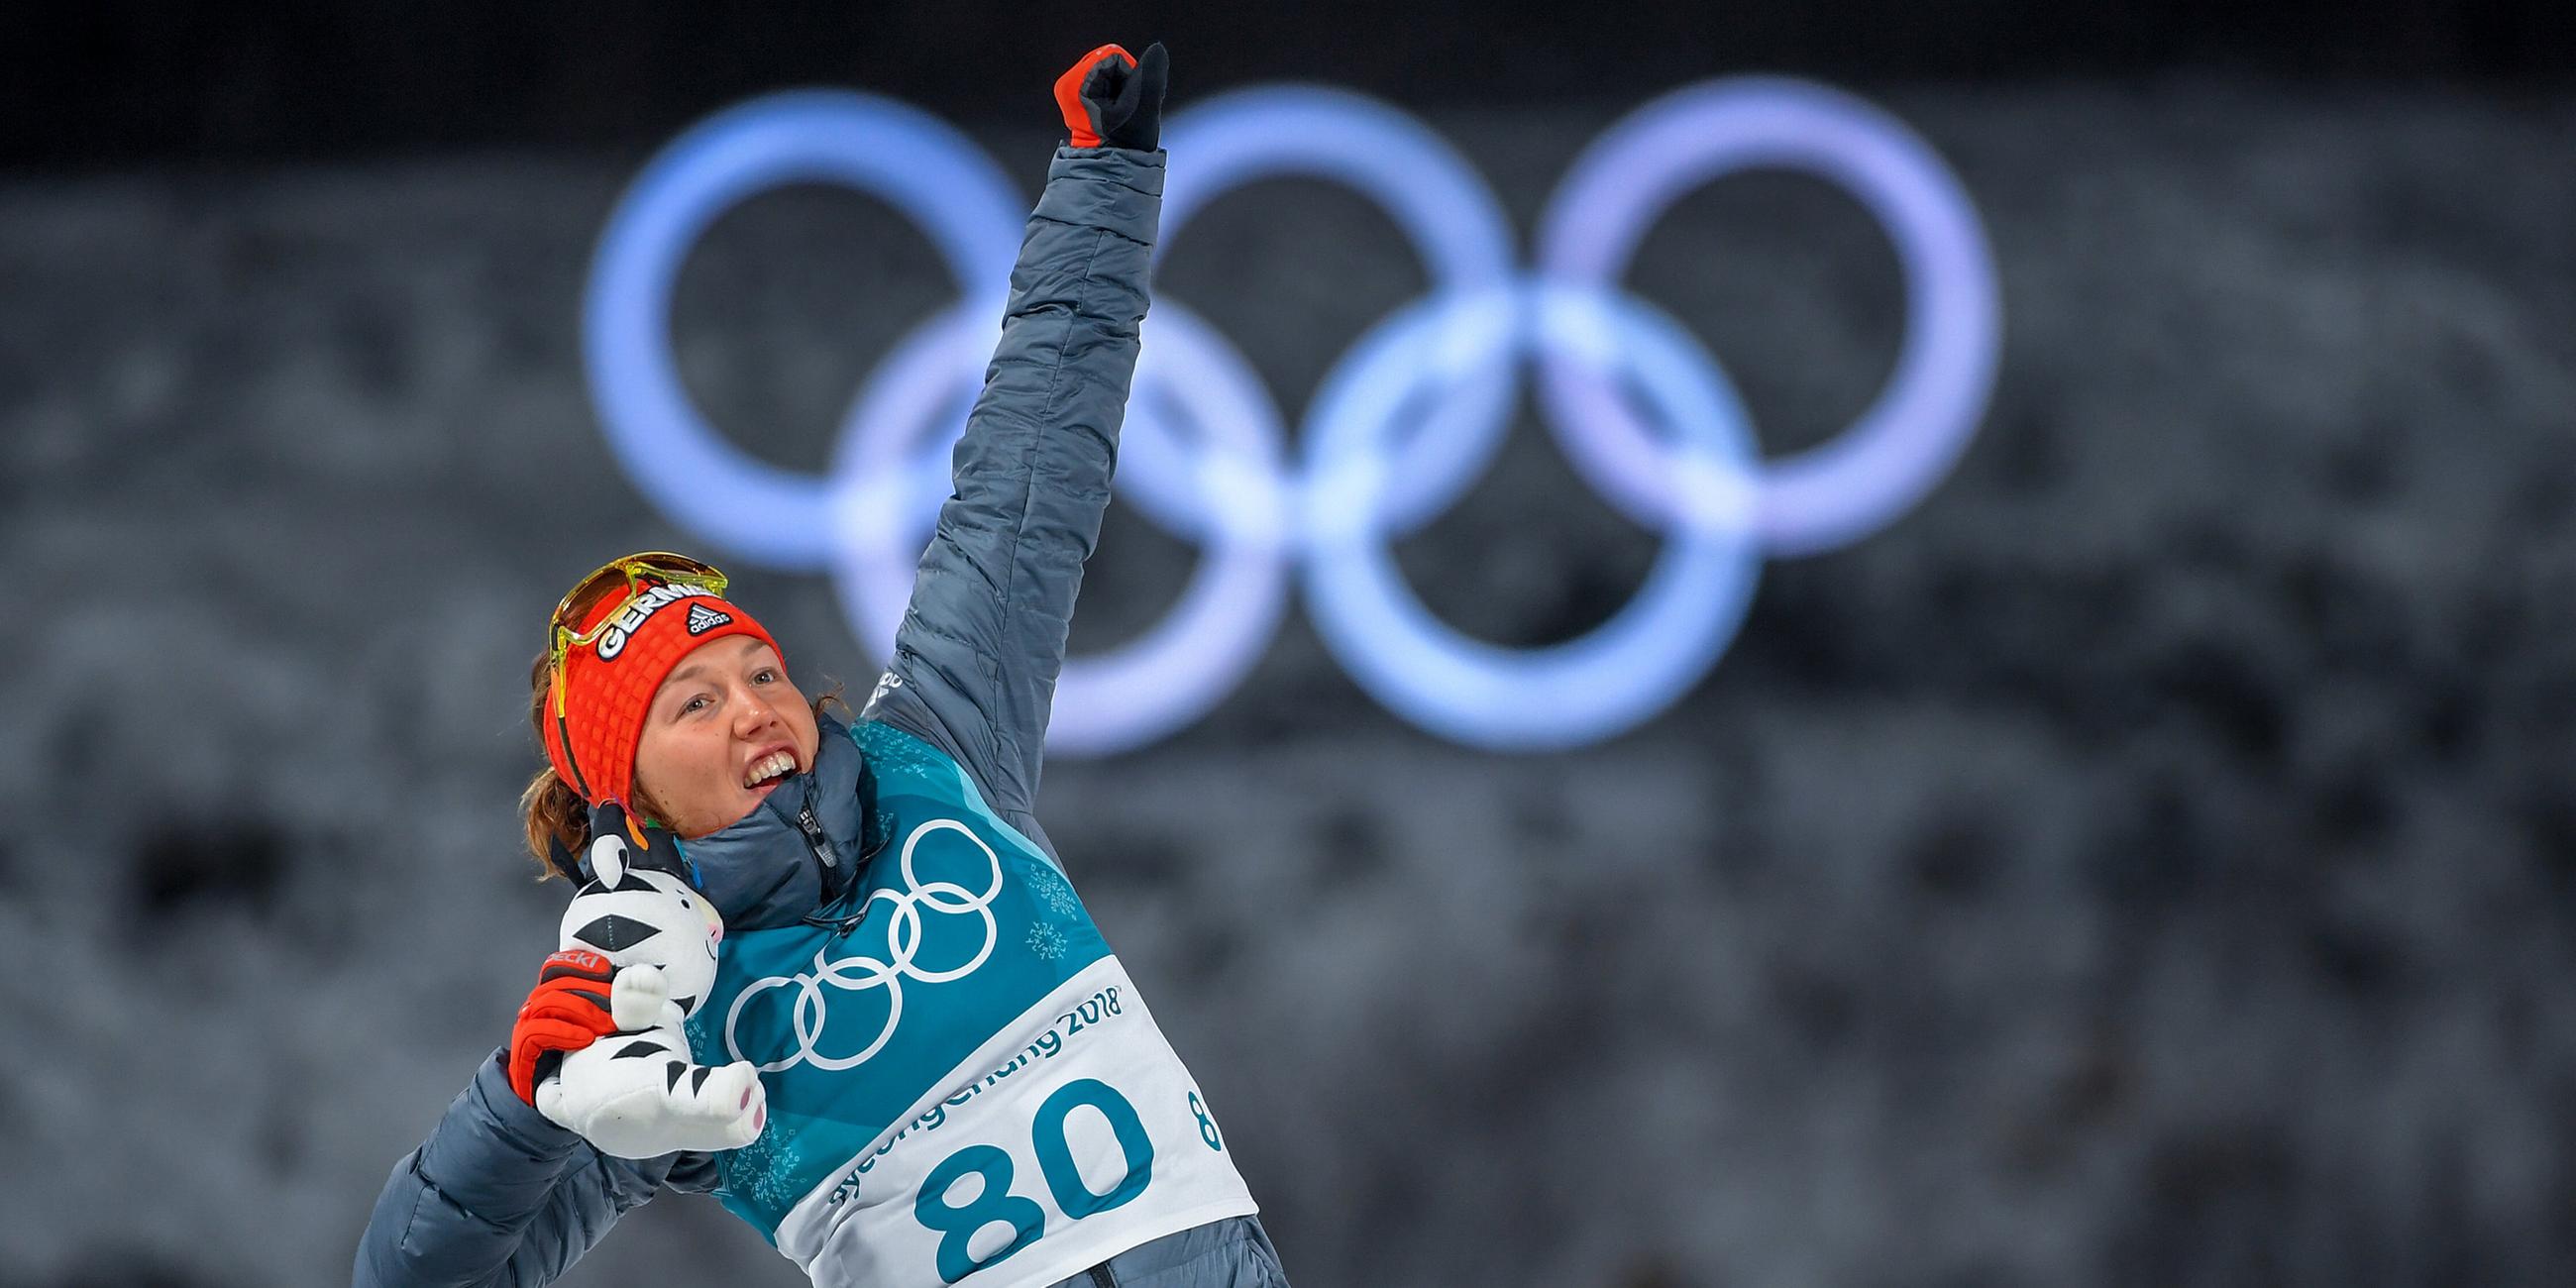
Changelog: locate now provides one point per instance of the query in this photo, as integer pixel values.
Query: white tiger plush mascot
(636, 1093)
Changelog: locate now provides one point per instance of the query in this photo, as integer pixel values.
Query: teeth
(773, 765)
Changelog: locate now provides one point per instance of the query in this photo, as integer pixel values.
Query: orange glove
(567, 1011)
(1110, 99)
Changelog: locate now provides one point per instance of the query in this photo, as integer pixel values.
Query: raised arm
(977, 655)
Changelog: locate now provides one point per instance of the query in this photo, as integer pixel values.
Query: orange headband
(605, 686)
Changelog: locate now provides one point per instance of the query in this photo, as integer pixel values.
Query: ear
(608, 859)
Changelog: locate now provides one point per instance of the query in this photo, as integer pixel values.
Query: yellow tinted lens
(577, 602)
(629, 575)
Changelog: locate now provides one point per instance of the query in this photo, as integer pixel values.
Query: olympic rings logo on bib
(1400, 427)
(859, 973)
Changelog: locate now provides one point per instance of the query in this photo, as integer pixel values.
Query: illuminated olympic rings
(1400, 428)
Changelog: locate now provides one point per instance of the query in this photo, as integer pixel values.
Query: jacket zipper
(812, 827)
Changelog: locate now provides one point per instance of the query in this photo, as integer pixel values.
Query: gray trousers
(1232, 1253)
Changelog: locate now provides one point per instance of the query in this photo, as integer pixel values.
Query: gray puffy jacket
(498, 1195)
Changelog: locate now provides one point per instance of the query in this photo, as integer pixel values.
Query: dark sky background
(134, 80)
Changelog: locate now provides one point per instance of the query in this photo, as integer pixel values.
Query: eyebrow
(750, 642)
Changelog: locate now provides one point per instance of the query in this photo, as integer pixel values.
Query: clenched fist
(1111, 99)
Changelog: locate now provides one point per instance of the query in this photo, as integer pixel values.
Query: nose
(754, 713)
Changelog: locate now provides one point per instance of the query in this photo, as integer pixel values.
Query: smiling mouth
(768, 770)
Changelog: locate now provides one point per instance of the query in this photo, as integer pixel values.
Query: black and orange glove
(1111, 99)
(568, 1010)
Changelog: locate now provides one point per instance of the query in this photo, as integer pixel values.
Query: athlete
(962, 1083)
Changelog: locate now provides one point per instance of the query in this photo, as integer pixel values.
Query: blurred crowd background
(2149, 860)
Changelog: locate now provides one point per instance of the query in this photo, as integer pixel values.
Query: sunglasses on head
(636, 574)
(633, 575)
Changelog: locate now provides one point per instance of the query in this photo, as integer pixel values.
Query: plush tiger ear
(608, 859)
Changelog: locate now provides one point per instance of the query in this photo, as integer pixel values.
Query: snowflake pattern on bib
(1046, 941)
(1056, 893)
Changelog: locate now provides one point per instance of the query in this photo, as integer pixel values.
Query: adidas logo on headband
(631, 618)
(703, 619)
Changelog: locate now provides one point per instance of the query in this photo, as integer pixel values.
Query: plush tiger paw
(638, 1095)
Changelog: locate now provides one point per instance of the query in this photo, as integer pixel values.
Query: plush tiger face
(646, 917)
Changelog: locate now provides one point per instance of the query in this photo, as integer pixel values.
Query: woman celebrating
(962, 1085)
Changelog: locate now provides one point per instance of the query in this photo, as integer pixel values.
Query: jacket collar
(797, 850)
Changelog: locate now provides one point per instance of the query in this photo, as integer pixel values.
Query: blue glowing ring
(1436, 200)
(1910, 436)
(1233, 471)
(892, 471)
(699, 479)
(1561, 695)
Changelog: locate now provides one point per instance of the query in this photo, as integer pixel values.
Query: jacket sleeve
(977, 654)
(498, 1195)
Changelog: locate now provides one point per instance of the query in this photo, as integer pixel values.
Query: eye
(765, 675)
(693, 705)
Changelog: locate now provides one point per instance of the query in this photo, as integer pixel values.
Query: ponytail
(557, 819)
(558, 823)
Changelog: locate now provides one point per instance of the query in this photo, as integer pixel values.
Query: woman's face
(724, 729)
